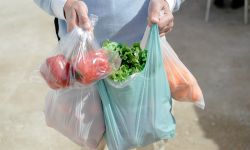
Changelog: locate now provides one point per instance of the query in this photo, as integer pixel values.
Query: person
(235, 4)
(122, 21)
(118, 20)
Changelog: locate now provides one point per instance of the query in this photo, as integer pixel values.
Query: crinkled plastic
(77, 114)
(183, 85)
(73, 106)
(139, 113)
(78, 59)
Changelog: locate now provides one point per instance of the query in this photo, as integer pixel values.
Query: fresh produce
(133, 59)
(85, 67)
(183, 85)
(91, 66)
(55, 71)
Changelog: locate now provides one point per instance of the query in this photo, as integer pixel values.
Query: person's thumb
(154, 12)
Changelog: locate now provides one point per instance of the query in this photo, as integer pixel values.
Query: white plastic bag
(183, 85)
(77, 114)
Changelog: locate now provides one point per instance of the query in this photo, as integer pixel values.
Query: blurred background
(217, 53)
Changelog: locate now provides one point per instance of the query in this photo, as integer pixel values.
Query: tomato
(91, 66)
(56, 71)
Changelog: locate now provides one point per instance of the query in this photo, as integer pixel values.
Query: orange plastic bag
(183, 84)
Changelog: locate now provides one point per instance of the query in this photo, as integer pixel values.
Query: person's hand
(76, 14)
(160, 13)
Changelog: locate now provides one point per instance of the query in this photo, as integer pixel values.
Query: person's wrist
(67, 6)
(170, 4)
(68, 3)
(166, 4)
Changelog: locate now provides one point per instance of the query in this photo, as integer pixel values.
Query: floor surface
(217, 53)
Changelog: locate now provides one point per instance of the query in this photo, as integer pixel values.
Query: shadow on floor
(218, 54)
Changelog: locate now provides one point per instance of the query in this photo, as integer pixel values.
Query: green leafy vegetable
(133, 59)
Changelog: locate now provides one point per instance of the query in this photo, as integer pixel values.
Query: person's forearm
(52, 7)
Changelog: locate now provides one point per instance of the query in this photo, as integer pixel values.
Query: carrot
(183, 85)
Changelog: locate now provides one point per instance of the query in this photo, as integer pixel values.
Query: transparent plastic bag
(183, 85)
(78, 59)
(73, 107)
(77, 114)
(139, 113)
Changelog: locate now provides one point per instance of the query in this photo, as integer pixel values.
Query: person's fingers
(82, 14)
(154, 12)
(71, 21)
(167, 28)
(165, 20)
(166, 31)
(76, 14)
(160, 13)
(162, 34)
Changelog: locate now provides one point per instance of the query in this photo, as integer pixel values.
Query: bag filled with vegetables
(79, 60)
(136, 98)
(73, 106)
(183, 85)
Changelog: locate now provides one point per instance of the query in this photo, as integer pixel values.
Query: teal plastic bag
(138, 112)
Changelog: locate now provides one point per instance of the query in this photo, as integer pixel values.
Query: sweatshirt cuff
(171, 4)
(57, 7)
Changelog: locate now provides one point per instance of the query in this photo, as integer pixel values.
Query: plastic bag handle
(152, 35)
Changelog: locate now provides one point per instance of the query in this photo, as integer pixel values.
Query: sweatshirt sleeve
(52, 7)
(174, 4)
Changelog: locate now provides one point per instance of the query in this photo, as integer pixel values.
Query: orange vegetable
(183, 85)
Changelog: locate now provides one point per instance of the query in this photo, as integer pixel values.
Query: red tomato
(92, 66)
(56, 71)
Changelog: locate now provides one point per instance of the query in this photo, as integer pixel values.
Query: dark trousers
(56, 28)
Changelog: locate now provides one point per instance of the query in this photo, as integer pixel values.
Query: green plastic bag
(138, 111)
